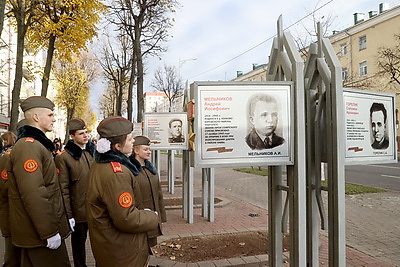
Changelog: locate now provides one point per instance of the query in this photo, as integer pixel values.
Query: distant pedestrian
(57, 146)
(37, 219)
(118, 223)
(12, 254)
(73, 164)
(149, 183)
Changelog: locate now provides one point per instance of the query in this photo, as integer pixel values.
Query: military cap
(141, 140)
(76, 124)
(36, 102)
(21, 123)
(114, 126)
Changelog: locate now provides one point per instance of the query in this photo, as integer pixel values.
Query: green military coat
(35, 200)
(4, 210)
(152, 196)
(118, 225)
(73, 166)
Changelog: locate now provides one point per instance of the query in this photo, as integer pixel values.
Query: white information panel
(137, 129)
(370, 127)
(166, 130)
(243, 123)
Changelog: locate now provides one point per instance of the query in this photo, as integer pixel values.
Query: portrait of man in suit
(378, 117)
(263, 116)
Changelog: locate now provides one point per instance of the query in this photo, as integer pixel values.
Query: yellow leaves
(71, 85)
(72, 22)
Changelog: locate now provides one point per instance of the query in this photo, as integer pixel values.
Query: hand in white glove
(72, 224)
(54, 242)
(150, 210)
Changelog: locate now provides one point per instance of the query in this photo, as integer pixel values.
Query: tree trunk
(47, 68)
(119, 99)
(130, 90)
(18, 75)
(69, 117)
(139, 65)
(2, 14)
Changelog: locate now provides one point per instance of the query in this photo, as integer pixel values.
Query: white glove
(54, 242)
(151, 210)
(72, 224)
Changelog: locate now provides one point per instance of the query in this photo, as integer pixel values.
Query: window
(343, 49)
(362, 42)
(344, 74)
(363, 68)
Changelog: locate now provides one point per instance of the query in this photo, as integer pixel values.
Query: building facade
(357, 48)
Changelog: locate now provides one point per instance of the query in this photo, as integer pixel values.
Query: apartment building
(357, 48)
(158, 102)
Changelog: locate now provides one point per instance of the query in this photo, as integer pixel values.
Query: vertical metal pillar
(171, 171)
(190, 195)
(204, 187)
(297, 172)
(287, 65)
(275, 210)
(313, 155)
(185, 183)
(335, 157)
(211, 186)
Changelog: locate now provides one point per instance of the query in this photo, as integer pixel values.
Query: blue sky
(217, 31)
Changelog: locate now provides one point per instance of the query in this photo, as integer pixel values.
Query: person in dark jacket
(37, 219)
(117, 219)
(12, 254)
(263, 116)
(149, 184)
(73, 165)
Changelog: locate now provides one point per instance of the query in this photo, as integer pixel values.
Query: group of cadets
(109, 190)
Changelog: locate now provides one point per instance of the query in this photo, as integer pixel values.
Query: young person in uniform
(37, 219)
(73, 165)
(12, 254)
(149, 184)
(118, 221)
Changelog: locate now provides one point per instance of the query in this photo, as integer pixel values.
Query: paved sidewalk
(372, 227)
(234, 217)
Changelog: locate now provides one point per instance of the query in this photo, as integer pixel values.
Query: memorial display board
(243, 123)
(166, 130)
(370, 125)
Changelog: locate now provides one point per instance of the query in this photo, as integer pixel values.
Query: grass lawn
(350, 189)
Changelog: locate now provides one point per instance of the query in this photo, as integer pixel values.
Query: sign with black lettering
(370, 127)
(243, 123)
(166, 130)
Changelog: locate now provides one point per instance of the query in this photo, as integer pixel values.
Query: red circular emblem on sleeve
(30, 165)
(125, 200)
(4, 175)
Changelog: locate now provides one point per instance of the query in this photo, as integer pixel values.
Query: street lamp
(181, 62)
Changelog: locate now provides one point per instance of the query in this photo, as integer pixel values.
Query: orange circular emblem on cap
(125, 200)
(30, 165)
(4, 175)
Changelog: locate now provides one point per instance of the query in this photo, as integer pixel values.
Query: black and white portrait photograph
(378, 116)
(263, 117)
(175, 131)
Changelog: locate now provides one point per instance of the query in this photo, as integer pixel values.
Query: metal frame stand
(287, 65)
